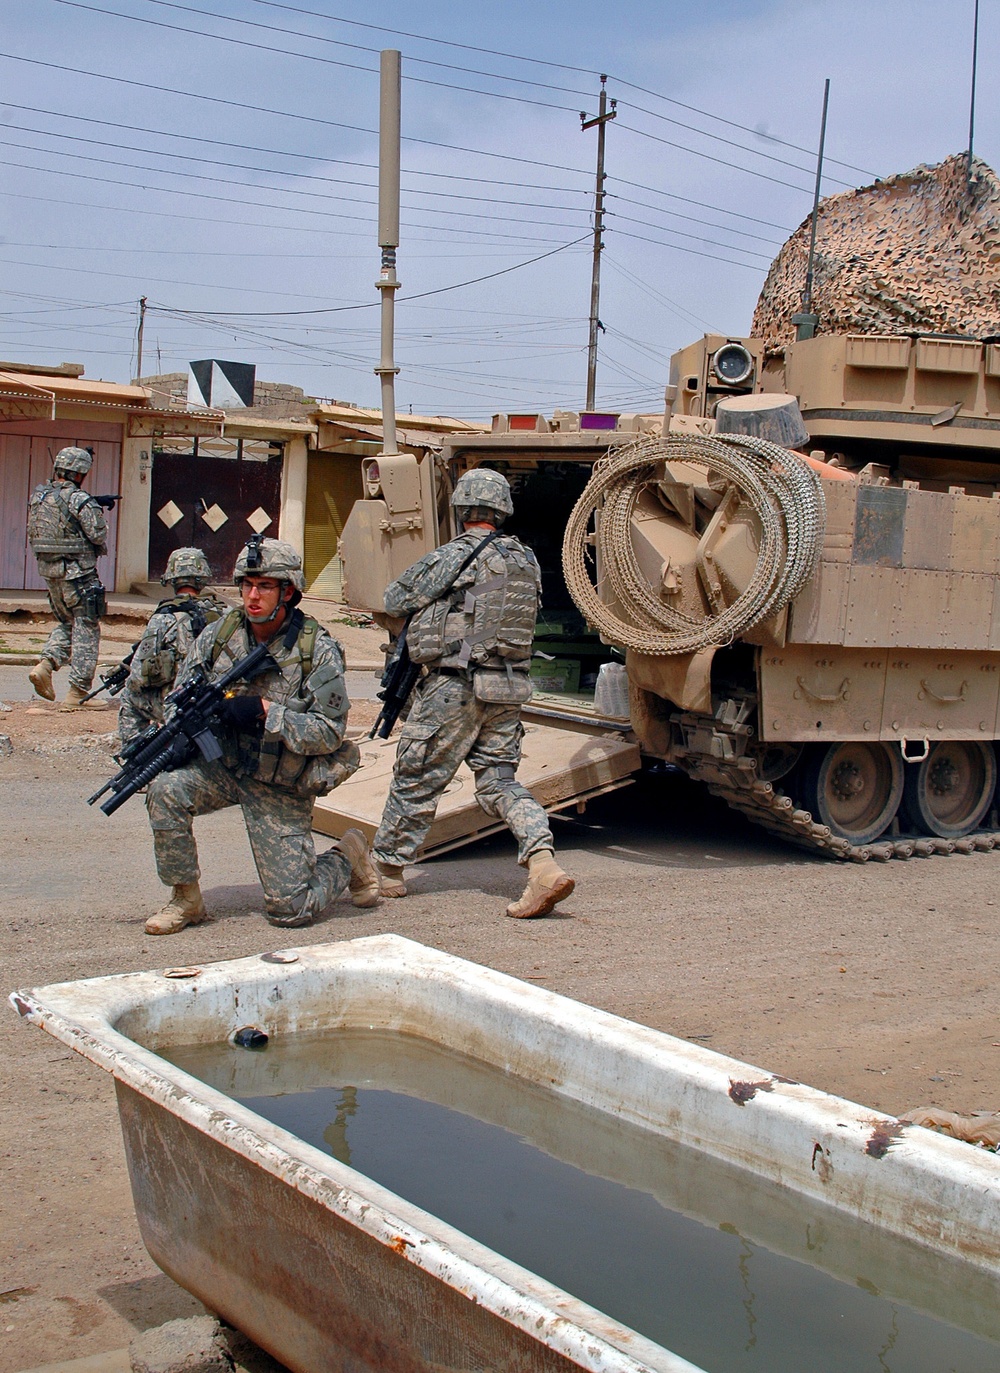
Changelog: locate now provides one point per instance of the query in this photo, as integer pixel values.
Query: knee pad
(492, 783)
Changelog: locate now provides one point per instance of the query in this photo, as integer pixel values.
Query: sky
(219, 158)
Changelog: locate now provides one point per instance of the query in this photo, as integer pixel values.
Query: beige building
(289, 466)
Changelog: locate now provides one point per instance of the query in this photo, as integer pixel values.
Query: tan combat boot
(185, 907)
(73, 698)
(364, 876)
(40, 678)
(547, 886)
(391, 879)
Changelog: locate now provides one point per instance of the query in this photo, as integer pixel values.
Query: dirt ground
(24, 631)
(876, 982)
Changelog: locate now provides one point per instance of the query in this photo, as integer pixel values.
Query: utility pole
(972, 96)
(138, 346)
(388, 234)
(603, 118)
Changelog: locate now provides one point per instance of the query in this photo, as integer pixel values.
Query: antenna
(972, 94)
(805, 322)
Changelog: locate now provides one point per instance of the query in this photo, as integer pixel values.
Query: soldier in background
(473, 627)
(68, 532)
(282, 740)
(172, 629)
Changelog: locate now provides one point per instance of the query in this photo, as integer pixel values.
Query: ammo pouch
(159, 669)
(501, 686)
(315, 775)
(93, 601)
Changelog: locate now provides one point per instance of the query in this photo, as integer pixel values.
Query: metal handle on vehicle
(839, 695)
(915, 757)
(945, 700)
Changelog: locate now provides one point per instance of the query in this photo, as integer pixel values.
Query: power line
(281, 152)
(677, 248)
(314, 157)
(644, 223)
(653, 114)
(422, 295)
(287, 52)
(562, 66)
(693, 219)
(331, 61)
(239, 223)
(669, 143)
(647, 289)
(148, 86)
(267, 171)
(288, 209)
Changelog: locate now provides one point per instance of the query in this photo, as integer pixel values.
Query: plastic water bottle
(611, 694)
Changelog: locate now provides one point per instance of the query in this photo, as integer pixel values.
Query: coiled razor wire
(785, 493)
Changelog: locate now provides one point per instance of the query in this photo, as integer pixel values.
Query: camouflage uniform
(447, 725)
(273, 775)
(172, 629)
(73, 534)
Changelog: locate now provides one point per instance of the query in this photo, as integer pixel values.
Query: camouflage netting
(917, 252)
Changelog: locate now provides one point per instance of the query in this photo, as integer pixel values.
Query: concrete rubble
(195, 1345)
(915, 253)
(198, 1344)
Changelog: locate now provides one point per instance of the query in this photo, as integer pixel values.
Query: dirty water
(733, 1273)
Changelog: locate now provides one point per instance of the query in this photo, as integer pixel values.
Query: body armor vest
(53, 529)
(487, 618)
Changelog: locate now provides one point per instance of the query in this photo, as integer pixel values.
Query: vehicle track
(767, 806)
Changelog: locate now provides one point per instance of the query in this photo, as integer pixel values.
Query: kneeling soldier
(282, 745)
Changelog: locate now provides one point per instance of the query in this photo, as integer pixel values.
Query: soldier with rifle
(470, 611)
(171, 630)
(257, 720)
(68, 531)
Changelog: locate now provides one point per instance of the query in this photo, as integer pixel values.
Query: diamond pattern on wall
(215, 517)
(258, 520)
(170, 514)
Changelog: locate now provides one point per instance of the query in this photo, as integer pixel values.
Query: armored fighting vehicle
(818, 642)
(815, 634)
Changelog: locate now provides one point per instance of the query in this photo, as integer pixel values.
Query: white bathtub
(330, 1271)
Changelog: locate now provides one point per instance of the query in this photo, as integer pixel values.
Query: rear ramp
(561, 767)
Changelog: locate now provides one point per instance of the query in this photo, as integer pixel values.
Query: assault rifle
(399, 678)
(197, 706)
(114, 681)
(106, 502)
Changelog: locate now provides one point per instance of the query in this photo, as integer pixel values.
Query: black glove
(107, 502)
(243, 713)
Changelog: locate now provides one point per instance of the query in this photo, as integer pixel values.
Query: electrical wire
(422, 295)
(148, 86)
(269, 171)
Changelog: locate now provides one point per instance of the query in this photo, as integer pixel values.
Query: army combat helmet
(482, 489)
(73, 460)
(270, 558)
(187, 567)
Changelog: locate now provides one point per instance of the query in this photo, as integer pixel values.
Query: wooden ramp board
(560, 767)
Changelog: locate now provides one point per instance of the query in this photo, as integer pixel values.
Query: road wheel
(855, 788)
(951, 790)
(775, 761)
